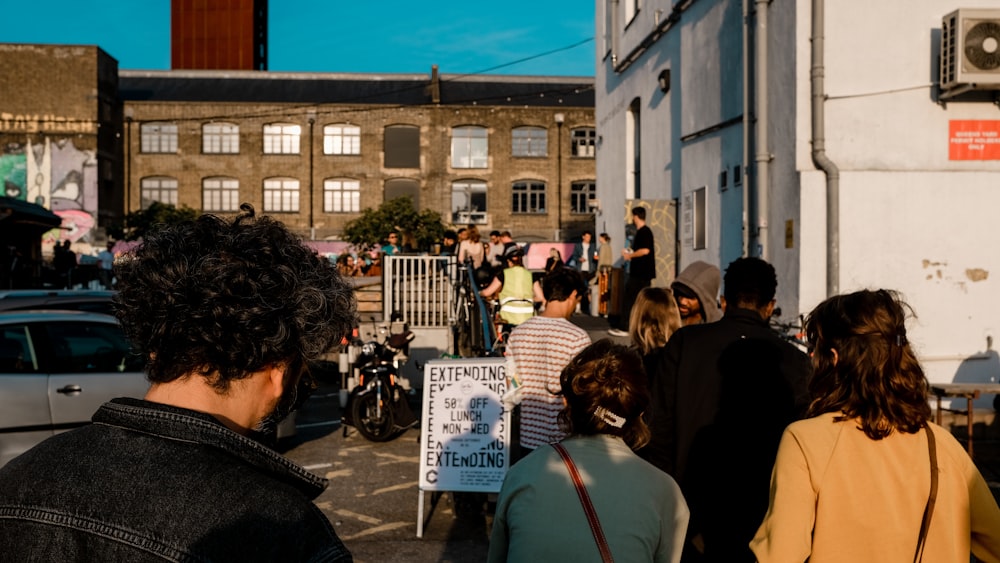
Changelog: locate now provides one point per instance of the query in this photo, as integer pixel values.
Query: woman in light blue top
(539, 516)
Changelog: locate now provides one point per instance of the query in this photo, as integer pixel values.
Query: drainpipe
(762, 159)
(819, 153)
(614, 33)
(746, 129)
(311, 115)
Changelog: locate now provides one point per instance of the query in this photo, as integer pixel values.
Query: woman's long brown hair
(876, 377)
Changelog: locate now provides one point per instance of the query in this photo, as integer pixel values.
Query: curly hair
(610, 377)
(225, 298)
(875, 376)
(654, 318)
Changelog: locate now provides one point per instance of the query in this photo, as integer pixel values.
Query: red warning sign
(973, 139)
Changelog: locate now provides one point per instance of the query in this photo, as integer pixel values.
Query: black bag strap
(929, 509)
(588, 507)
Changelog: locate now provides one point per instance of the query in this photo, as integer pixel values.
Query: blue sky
(386, 36)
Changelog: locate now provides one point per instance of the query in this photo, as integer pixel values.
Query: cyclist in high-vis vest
(516, 288)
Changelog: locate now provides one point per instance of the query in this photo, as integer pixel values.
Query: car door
(25, 419)
(90, 363)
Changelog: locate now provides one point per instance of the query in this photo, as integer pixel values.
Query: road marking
(348, 451)
(356, 516)
(377, 529)
(339, 473)
(316, 466)
(399, 487)
(396, 458)
(318, 424)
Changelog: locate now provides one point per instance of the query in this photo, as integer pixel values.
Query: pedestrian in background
(696, 289)
(227, 315)
(642, 268)
(540, 348)
(584, 258)
(639, 510)
(726, 391)
(861, 480)
(654, 318)
(495, 254)
(105, 265)
(391, 247)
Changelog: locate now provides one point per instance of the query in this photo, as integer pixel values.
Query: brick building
(315, 150)
(60, 126)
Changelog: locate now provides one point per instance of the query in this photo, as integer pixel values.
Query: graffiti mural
(58, 176)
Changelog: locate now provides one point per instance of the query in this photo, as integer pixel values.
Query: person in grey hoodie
(696, 290)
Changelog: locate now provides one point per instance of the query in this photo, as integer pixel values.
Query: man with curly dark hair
(226, 314)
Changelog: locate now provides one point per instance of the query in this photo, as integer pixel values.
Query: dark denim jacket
(150, 482)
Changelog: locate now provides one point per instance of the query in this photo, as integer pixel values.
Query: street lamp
(560, 118)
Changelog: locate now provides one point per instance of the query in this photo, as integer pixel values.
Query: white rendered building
(828, 138)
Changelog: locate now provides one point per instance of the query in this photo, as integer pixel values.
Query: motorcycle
(377, 406)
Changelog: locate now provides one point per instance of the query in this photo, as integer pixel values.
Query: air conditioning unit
(970, 49)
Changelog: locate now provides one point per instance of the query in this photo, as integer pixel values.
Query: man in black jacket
(722, 394)
(227, 314)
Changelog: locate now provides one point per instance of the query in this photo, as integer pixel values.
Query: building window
(468, 202)
(162, 189)
(633, 152)
(158, 137)
(341, 195)
(282, 138)
(403, 187)
(281, 195)
(469, 147)
(341, 139)
(631, 9)
(530, 141)
(580, 195)
(584, 140)
(220, 194)
(694, 215)
(402, 146)
(220, 138)
(528, 197)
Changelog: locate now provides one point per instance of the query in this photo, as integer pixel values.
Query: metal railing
(420, 290)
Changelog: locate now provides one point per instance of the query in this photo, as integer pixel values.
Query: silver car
(56, 369)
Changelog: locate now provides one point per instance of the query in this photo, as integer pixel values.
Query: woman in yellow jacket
(853, 483)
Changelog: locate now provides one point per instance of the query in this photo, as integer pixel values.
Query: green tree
(137, 223)
(370, 229)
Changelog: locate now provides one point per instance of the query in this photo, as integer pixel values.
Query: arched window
(580, 195)
(220, 194)
(341, 195)
(341, 138)
(281, 195)
(158, 137)
(282, 138)
(468, 202)
(402, 146)
(528, 196)
(161, 189)
(220, 138)
(469, 147)
(529, 141)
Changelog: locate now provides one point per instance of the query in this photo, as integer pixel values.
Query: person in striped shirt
(540, 348)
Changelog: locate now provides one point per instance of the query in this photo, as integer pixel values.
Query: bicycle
(790, 331)
(475, 333)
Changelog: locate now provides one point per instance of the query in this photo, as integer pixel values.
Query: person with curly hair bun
(227, 314)
(869, 477)
(640, 510)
